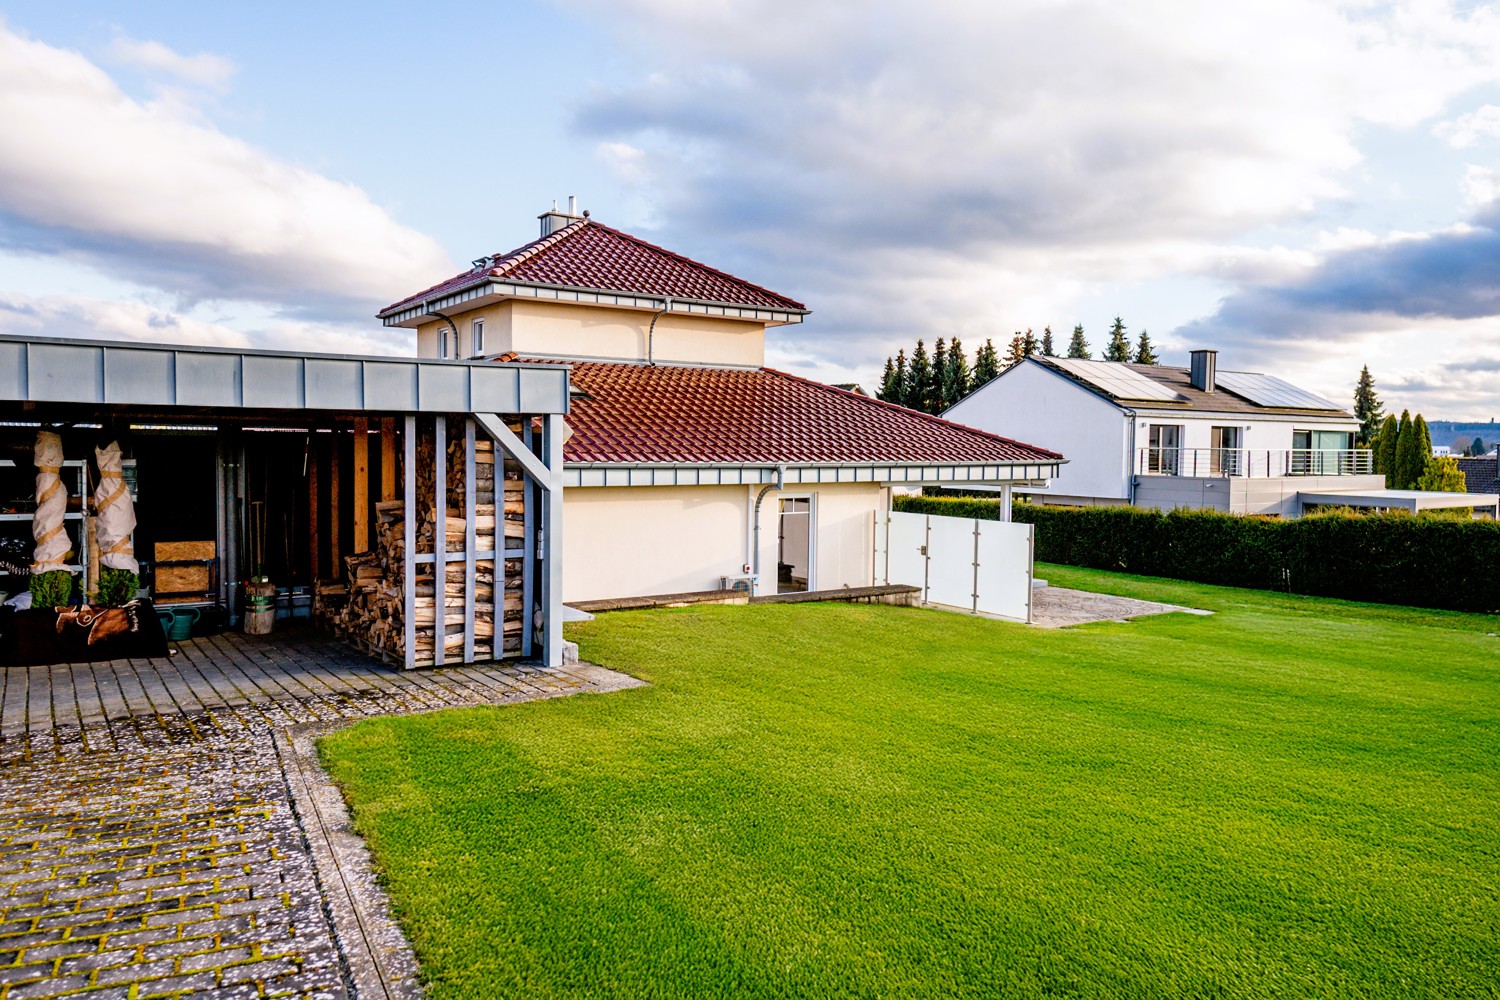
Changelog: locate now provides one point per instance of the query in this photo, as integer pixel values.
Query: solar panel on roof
(1267, 390)
(1115, 379)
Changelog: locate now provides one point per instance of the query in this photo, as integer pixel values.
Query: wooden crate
(191, 581)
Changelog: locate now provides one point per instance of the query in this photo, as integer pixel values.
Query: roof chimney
(1201, 369)
(554, 220)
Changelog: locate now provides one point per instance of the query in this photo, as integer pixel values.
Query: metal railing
(1253, 462)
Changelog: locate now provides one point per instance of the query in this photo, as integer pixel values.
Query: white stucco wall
(642, 540)
(1037, 406)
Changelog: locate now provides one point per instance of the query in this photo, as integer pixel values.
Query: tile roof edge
(873, 401)
(791, 303)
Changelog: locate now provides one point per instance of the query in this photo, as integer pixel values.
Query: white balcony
(1199, 463)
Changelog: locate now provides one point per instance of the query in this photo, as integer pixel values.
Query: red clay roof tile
(590, 255)
(634, 413)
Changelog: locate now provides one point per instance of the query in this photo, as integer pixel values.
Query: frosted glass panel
(950, 567)
(1005, 569)
(906, 564)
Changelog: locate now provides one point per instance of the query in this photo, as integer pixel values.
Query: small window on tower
(476, 336)
(443, 343)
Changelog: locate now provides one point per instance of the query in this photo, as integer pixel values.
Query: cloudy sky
(1308, 187)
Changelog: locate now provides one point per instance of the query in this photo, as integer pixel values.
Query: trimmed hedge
(1426, 562)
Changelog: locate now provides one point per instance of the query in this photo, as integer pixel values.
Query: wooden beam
(334, 511)
(361, 485)
(388, 458)
(314, 549)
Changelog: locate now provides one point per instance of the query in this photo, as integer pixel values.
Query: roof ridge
(524, 253)
(697, 263)
(932, 418)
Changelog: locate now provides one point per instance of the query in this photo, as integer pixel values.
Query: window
(1164, 449)
(476, 337)
(443, 347)
(1226, 459)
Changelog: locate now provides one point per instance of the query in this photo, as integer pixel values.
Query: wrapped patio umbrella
(52, 545)
(116, 512)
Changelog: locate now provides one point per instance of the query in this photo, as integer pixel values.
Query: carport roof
(1413, 500)
(117, 373)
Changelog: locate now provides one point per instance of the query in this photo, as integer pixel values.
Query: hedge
(1429, 562)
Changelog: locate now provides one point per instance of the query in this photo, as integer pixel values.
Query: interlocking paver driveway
(148, 842)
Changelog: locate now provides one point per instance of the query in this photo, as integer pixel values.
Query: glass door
(1164, 451)
(794, 547)
(1225, 459)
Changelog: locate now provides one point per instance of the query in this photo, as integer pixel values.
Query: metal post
(409, 552)
(471, 541)
(440, 539)
(552, 551)
(975, 594)
(531, 493)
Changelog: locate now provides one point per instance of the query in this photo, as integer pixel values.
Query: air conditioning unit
(744, 584)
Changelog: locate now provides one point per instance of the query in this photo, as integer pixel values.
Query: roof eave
(807, 473)
(412, 314)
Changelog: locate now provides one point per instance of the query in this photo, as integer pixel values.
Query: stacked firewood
(375, 606)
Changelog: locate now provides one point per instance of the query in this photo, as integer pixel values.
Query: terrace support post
(440, 540)
(471, 541)
(409, 550)
(1005, 502)
(314, 543)
(552, 445)
(336, 552)
(361, 485)
(387, 458)
(531, 497)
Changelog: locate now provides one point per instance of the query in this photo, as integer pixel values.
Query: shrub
(117, 587)
(52, 589)
(1431, 562)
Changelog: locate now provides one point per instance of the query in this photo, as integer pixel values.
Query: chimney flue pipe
(1201, 369)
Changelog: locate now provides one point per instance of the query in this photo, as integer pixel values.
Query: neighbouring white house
(691, 466)
(1160, 436)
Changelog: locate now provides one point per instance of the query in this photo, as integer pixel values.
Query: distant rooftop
(1167, 387)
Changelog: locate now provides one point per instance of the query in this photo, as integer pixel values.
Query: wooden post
(388, 458)
(361, 485)
(314, 544)
(336, 454)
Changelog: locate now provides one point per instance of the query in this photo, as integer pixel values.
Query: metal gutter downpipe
(759, 497)
(1131, 456)
(651, 331)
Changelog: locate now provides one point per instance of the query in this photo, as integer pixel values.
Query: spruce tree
(920, 377)
(956, 378)
(1144, 353)
(936, 402)
(1367, 406)
(889, 390)
(1047, 351)
(1030, 343)
(1119, 344)
(986, 364)
(1478, 449)
(1078, 347)
(903, 380)
(1404, 470)
(1443, 475)
(1384, 447)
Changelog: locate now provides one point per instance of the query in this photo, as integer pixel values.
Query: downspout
(1130, 457)
(651, 331)
(445, 319)
(759, 498)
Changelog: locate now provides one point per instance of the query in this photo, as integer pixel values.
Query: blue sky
(1308, 187)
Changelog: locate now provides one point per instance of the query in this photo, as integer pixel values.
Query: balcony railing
(1204, 462)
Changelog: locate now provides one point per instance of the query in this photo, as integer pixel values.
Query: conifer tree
(1047, 351)
(1030, 343)
(936, 402)
(919, 378)
(1119, 344)
(888, 390)
(1384, 447)
(1478, 449)
(956, 378)
(1145, 354)
(1078, 347)
(1404, 470)
(986, 364)
(1443, 476)
(903, 381)
(1423, 447)
(1367, 406)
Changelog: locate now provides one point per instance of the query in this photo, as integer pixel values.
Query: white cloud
(204, 69)
(132, 320)
(1481, 185)
(151, 192)
(1468, 129)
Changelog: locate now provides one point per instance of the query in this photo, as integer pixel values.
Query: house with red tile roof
(690, 465)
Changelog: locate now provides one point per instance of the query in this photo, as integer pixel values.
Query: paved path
(1058, 607)
(149, 843)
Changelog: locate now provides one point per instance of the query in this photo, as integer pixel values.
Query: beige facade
(643, 540)
(589, 332)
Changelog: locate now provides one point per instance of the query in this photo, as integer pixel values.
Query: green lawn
(1293, 797)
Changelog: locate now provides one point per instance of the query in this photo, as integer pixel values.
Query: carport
(421, 500)
(1410, 500)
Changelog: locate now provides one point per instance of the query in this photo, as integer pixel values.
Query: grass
(1293, 797)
